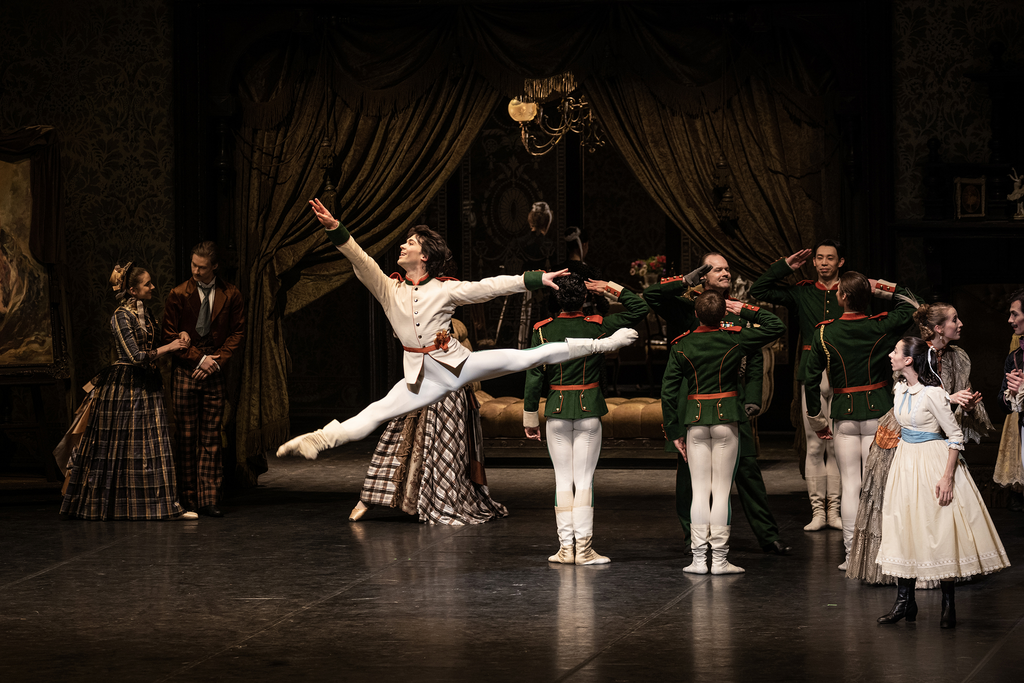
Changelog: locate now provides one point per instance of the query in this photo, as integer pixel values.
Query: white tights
(712, 453)
(575, 446)
(815, 464)
(436, 381)
(853, 440)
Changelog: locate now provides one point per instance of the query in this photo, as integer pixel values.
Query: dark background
(138, 90)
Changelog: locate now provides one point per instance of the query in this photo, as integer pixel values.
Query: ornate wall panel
(936, 42)
(100, 72)
(503, 180)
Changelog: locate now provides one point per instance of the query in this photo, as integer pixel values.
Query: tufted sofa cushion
(632, 418)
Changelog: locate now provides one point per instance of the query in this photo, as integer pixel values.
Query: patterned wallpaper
(935, 42)
(100, 72)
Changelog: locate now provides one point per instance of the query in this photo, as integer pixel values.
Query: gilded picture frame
(32, 334)
(969, 197)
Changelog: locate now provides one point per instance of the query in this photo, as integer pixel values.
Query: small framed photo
(970, 197)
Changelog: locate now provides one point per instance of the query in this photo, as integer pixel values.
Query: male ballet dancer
(673, 299)
(419, 308)
(811, 301)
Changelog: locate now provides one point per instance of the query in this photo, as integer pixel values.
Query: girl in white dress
(934, 522)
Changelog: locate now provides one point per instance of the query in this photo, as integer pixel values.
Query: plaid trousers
(199, 413)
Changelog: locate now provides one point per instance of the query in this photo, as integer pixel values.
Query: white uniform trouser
(853, 440)
(575, 446)
(712, 453)
(436, 381)
(815, 464)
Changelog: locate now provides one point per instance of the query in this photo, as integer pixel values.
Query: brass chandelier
(574, 115)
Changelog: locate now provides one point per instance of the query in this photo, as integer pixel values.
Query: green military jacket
(809, 300)
(673, 301)
(855, 348)
(574, 404)
(704, 364)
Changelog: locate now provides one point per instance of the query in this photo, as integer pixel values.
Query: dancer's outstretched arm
(365, 268)
(474, 292)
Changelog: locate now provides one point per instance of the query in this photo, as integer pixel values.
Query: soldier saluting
(702, 411)
(673, 300)
(854, 351)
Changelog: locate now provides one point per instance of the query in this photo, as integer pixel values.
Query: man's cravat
(203, 321)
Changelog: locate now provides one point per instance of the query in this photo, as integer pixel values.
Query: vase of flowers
(649, 270)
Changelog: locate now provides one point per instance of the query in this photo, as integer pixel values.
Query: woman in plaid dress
(123, 466)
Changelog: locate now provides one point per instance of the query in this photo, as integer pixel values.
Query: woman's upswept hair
(436, 250)
(124, 278)
(924, 361)
(930, 315)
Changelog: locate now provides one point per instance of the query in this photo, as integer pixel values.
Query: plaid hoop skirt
(423, 463)
(123, 467)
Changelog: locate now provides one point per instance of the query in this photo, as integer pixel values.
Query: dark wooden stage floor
(285, 588)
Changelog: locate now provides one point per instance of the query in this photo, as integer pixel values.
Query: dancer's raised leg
(437, 380)
(399, 401)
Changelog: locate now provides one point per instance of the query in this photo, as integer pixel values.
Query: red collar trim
(852, 316)
(705, 328)
(577, 314)
(410, 281)
(817, 283)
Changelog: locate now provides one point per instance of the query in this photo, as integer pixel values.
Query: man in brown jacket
(212, 312)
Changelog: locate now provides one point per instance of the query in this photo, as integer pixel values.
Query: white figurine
(1017, 195)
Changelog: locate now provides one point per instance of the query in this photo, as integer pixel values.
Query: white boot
(834, 489)
(587, 347)
(583, 528)
(563, 519)
(699, 543)
(816, 489)
(310, 445)
(307, 445)
(720, 550)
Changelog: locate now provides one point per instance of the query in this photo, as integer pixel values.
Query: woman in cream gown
(934, 522)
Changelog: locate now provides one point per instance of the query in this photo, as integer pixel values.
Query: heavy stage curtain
(384, 105)
(387, 167)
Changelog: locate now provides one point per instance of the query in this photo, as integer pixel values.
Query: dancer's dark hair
(434, 248)
(857, 290)
(1017, 296)
(710, 308)
(571, 293)
(835, 244)
(585, 272)
(924, 361)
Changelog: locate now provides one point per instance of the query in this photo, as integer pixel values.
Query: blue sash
(915, 436)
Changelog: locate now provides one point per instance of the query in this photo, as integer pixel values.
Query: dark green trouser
(749, 485)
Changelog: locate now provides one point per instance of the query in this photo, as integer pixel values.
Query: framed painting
(31, 330)
(970, 197)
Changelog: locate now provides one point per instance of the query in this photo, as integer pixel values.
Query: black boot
(905, 605)
(948, 619)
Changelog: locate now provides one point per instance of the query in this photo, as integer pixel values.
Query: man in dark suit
(212, 312)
